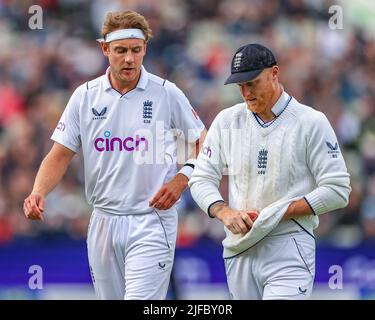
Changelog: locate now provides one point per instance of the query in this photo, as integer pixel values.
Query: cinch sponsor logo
(61, 126)
(120, 144)
(207, 151)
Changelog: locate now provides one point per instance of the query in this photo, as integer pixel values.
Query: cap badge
(237, 60)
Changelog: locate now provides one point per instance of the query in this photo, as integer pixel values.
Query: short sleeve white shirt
(128, 141)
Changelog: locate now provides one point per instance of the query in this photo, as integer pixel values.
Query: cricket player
(127, 122)
(285, 169)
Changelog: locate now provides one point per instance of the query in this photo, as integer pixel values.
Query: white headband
(123, 34)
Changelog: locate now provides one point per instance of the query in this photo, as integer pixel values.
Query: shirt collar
(277, 109)
(280, 104)
(106, 82)
(142, 82)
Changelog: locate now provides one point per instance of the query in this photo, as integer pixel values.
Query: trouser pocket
(306, 253)
(165, 235)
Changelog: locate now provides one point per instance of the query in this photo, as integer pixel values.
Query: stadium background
(332, 70)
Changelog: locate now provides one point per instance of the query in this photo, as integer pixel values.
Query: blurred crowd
(332, 70)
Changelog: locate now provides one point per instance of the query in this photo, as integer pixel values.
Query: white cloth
(128, 141)
(294, 157)
(267, 220)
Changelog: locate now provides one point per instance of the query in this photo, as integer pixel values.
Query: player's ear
(275, 72)
(105, 48)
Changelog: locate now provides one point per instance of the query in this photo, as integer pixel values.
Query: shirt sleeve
(327, 165)
(67, 131)
(184, 117)
(205, 181)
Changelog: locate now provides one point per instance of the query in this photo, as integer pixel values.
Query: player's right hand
(33, 207)
(238, 222)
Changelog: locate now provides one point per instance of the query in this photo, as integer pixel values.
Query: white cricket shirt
(128, 141)
(295, 156)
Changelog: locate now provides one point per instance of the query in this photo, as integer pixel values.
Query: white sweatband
(123, 34)
(188, 168)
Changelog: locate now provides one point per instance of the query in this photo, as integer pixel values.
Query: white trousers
(131, 256)
(279, 267)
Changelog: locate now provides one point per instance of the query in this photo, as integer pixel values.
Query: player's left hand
(169, 193)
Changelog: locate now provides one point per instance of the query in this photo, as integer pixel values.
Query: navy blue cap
(249, 61)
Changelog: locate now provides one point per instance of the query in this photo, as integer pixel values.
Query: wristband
(188, 168)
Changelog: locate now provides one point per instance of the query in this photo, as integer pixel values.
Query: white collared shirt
(127, 142)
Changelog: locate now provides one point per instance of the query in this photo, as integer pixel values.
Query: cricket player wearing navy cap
(127, 123)
(285, 168)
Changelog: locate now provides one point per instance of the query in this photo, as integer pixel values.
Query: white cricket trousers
(131, 256)
(279, 267)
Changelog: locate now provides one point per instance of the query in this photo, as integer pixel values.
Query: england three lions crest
(147, 111)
